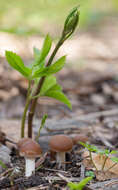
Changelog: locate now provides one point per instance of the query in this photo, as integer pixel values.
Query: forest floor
(90, 81)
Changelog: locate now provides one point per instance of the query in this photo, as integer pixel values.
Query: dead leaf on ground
(102, 176)
(110, 168)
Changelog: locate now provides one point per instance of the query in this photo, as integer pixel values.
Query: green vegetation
(103, 152)
(2, 164)
(89, 174)
(80, 185)
(34, 16)
(41, 126)
(40, 74)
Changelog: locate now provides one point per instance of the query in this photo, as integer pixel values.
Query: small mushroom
(22, 142)
(60, 144)
(30, 150)
(79, 138)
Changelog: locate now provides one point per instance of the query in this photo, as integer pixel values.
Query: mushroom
(22, 142)
(79, 138)
(60, 144)
(30, 150)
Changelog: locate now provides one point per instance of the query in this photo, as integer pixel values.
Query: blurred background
(42, 16)
(90, 75)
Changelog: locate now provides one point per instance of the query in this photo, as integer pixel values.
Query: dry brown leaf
(102, 176)
(99, 161)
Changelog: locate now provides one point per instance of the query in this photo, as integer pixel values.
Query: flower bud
(71, 22)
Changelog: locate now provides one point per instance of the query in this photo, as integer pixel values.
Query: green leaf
(105, 152)
(42, 125)
(73, 186)
(45, 49)
(89, 174)
(57, 66)
(37, 63)
(80, 185)
(16, 62)
(36, 81)
(56, 87)
(114, 159)
(49, 82)
(48, 85)
(114, 152)
(91, 148)
(37, 53)
(2, 164)
(59, 96)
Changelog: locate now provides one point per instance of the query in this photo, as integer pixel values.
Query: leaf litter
(94, 96)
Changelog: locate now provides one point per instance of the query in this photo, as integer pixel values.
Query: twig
(3, 174)
(103, 184)
(111, 183)
(98, 114)
(55, 178)
(40, 187)
(64, 178)
(104, 141)
(41, 160)
(54, 170)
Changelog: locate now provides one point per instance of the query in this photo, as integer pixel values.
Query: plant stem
(25, 110)
(104, 163)
(90, 154)
(24, 117)
(34, 101)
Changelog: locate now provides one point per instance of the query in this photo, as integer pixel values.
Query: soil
(47, 175)
(94, 114)
(47, 168)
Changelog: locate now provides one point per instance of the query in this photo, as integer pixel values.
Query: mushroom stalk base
(29, 167)
(60, 157)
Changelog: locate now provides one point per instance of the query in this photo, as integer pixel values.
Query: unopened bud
(71, 22)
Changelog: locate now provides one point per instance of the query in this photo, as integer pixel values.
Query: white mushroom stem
(29, 166)
(60, 158)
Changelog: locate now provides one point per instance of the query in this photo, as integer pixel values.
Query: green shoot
(91, 149)
(39, 74)
(41, 126)
(103, 152)
(80, 185)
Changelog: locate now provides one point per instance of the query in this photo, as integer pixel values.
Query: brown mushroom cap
(60, 143)
(79, 138)
(22, 142)
(29, 148)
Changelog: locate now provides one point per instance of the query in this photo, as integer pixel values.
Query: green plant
(80, 185)
(89, 174)
(41, 126)
(2, 164)
(40, 75)
(91, 149)
(103, 152)
(106, 153)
